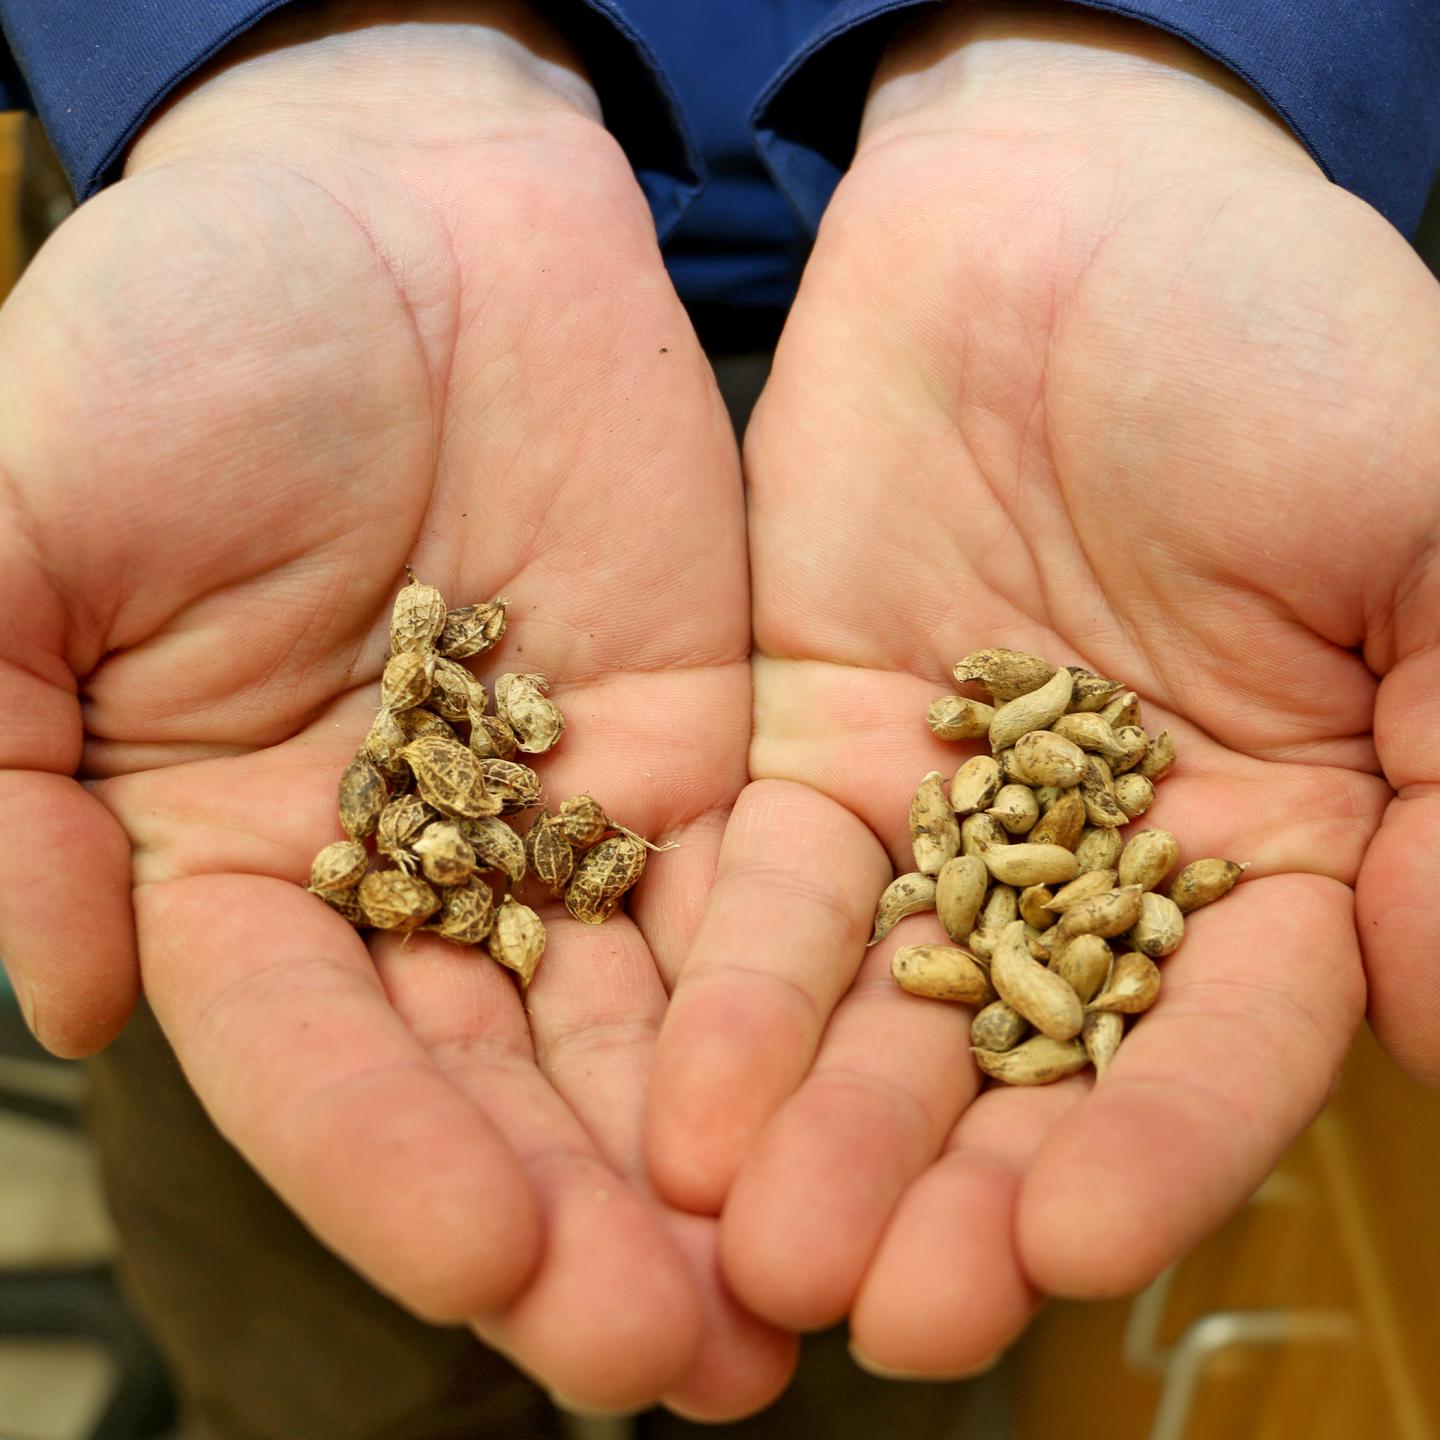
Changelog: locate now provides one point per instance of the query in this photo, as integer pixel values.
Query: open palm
(245, 390)
(1176, 420)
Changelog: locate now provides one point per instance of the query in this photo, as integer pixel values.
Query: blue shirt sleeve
(94, 70)
(1357, 81)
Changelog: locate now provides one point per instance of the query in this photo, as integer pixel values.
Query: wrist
(428, 74)
(1062, 72)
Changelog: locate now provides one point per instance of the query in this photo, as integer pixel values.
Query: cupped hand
(1089, 361)
(377, 294)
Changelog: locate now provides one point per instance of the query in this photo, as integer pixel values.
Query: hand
(376, 294)
(1089, 360)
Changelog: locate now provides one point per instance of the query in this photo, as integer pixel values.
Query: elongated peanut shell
(1041, 757)
(467, 914)
(406, 679)
(1203, 881)
(1099, 849)
(393, 900)
(942, 972)
(1016, 808)
(449, 777)
(934, 830)
(445, 855)
(998, 1027)
(1092, 691)
(1029, 864)
(1062, 824)
(1005, 673)
(904, 895)
(981, 833)
(1124, 709)
(1044, 998)
(975, 785)
(496, 846)
(1147, 857)
(1160, 928)
(1082, 887)
(1133, 794)
(472, 629)
(536, 720)
(603, 875)
(1089, 732)
(1105, 915)
(1033, 711)
(1133, 744)
(1034, 907)
(516, 939)
(1084, 964)
(362, 798)
(417, 618)
(959, 893)
(1097, 792)
(1101, 1035)
(957, 717)
(338, 866)
(1037, 1061)
(1133, 987)
(1159, 756)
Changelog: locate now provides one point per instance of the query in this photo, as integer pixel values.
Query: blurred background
(1311, 1314)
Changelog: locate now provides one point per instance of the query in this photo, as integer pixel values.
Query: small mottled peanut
(1034, 911)
(942, 972)
(1062, 824)
(1083, 964)
(1042, 757)
(516, 939)
(1016, 808)
(416, 618)
(1091, 692)
(1089, 732)
(1133, 794)
(472, 629)
(1133, 987)
(982, 833)
(997, 1027)
(957, 717)
(1159, 756)
(1033, 711)
(1160, 928)
(1004, 673)
(1101, 1035)
(446, 857)
(904, 895)
(975, 785)
(1203, 881)
(536, 720)
(1110, 914)
(1044, 998)
(1133, 742)
(363, 796)
(1147, 858)
(338, 866)
(1124, 709)
(406, 679)
(1097, 791)
(959, 893)
(1099, 849)
(393, 900)
(934, 830)
(1037, 1061)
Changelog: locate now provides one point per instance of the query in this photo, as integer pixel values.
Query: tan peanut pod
(1110, 914)
(536, 720)
(1159, 756)
(338, 866)
(1089, 732)
(1033, 902)
(419, 723)
(1101, 1035)
(998, 1027)
(345, 903)
(1099, 848)
(1082, 887)
(1133, 744)
(446, 857)
(472, 629)
(959, 893)
(362, 798)
(1034, 711)
(1002, 905)
(548, 852)
(496, 846)
(1062, 824)
(1083, 964)
(1004, 673)
(1124, 709)
(1037, 942)
(1036, 1061)
(491, 738)
(1160, 928)
(980, 833)
(904, 895)
(449, 777)
(1133, 794)
(513, 786)
(1044, 998)
(1092, 692)
(1097, 793)
(1041, 757)
(416, 619)
(1147, 858)
(1047, 797)
(942, 972)
(455, 694)
(467, 913)
(1016, 808)
(934, 830)
(400, 822)
(1133, 986)
(1203, 881)
(517, 939)
(393, 900)
(975, 785)
(602, 877)
(585, 823)
(1005, 759)
(386, 739)
(1030, 864)
(405, 681)
(957, 717)
(982, 944)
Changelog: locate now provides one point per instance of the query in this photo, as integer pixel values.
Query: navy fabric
(772, 91)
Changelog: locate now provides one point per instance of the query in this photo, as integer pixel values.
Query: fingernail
(884, 1372)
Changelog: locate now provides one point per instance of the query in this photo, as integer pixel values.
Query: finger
(610, 1317)
(945, 1292)
(779, 942)
(891, 1076)
(1240, 1052)
(67, 934)
(1395, 905)
(274, 1010)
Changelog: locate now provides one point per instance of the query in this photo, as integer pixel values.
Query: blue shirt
(739, 116)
